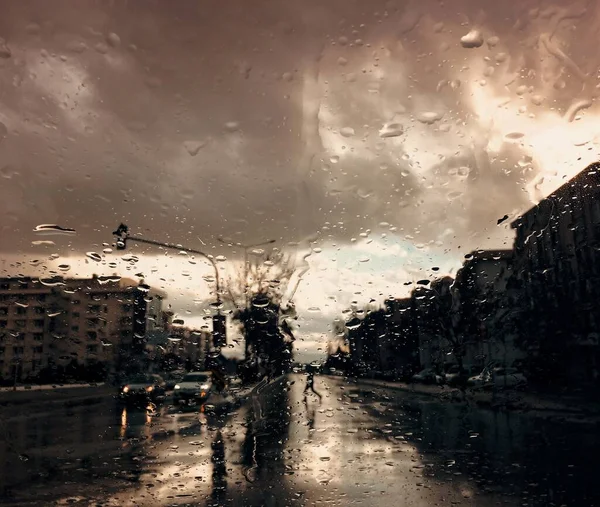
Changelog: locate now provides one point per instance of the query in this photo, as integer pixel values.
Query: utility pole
(219, 324)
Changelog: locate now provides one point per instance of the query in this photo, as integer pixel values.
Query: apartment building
(27, 311)
(46, 323)
(557, 258)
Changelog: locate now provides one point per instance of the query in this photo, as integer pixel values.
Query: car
(498, 377)
(193, 387)
(172, 378)
(143, 387)
(428, 376)
(454, 377)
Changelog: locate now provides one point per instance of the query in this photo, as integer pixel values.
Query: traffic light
(122, 233)
(219, 330)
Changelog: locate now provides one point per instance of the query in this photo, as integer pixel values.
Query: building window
(39, 310)
(3, 324)
(92, 349)
(4, 286)
(17, 350)
(2, 350)
(38, 322)
(41, 298)
(75, 328)
(127, 308)
(20, 323)
(38, 349)
(3, 310)
(75, 315)
(38, 337)
(92, 335)
(21, 310)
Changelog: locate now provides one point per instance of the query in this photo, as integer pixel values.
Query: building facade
(52, 323)
(557, 260)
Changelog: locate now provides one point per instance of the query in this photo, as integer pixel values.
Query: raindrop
(52, 282)
(473, 39)
(232, 126)
(334, 159)
(42, 242)
(3, 131)
(5, 51)
(101, 47)
(346, 131)
(193, 147)
(454, 195)
(260, 302)
(108, 279)
(113, 39)
(314, 309)
(429, 117)
(107, 250)
(174, 339)
(391, 130)
(537, 100)
(463, 171)
(51, 229)
(353, 323)
(317, 250)
(64, 267)
(501, 57)
(220, 258)
(269, 263)
(22, 305)
(142, 287)
(130, 258)
(493, 41)
(53, 314)
(513, 136)
(178, 322)
(94, 256)
(342, 61)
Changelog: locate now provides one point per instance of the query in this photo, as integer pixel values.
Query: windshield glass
(311, 252)
(196, 377)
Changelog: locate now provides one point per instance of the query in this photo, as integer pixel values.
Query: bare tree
(260, 292)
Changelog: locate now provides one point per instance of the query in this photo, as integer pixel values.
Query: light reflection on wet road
(356, 446)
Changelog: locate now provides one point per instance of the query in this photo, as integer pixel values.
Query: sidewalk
(75, 394)
(572, 405)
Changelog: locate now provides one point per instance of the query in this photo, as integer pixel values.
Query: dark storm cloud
(198, 119)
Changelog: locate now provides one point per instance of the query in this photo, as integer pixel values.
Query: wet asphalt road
(355, 446)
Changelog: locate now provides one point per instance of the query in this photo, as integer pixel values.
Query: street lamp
(219, 328)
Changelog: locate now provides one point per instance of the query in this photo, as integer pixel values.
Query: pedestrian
(310, 384)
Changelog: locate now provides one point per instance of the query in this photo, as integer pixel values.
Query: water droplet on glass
(220, 258)
(260, 301)
(193, 147)
(391, 130)
(493, 41)
(454, 195)
(5, 51)
(174, 339)
(52, 282)
(429, 117)
(353, 323)
(113, 39)
(473, 39)
(94, 256)
(142, 287)
(514, 136)
(232, 126)
(537, 100)
(64, 267)
(346, 131)
(101, 47)
(334, 159)
(53, 229)
(342, 61)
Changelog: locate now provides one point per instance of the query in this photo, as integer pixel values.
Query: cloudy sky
(385, 137)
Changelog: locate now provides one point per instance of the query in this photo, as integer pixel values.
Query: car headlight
(204, 386)
(126, 389)
(149, 389)
(177, 386)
